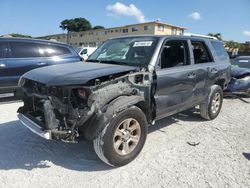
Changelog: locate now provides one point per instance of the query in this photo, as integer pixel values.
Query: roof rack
(197, 35)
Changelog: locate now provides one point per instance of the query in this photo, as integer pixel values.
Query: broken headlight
(80, 97)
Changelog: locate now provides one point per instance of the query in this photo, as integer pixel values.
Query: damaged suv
(127, 84)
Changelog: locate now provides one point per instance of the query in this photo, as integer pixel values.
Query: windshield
(133, 51)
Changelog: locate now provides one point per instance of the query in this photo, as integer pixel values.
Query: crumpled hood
(74, 73)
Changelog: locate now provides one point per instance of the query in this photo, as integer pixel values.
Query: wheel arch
(97, 123)
(221, 82)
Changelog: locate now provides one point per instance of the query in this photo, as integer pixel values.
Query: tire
(118, 144)
(211, 108)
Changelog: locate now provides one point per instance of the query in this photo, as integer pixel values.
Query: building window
(134, 29)
(81, 35)
(111, 31)
(160, 27)
(116, 30)
(174, 31)
(147, 27)
(125, 30)
(106, 32)
(58, 37)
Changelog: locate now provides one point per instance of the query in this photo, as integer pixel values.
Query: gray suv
(127, 84)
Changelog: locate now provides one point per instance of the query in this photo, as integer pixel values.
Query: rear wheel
(123, 137)
(211, 108)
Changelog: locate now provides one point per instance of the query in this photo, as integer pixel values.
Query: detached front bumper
(34, 127)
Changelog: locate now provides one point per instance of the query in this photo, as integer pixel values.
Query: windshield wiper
(93, 60)
(107, 61)
(113, 62)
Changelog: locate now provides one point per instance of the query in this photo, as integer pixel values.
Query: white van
(85, 52)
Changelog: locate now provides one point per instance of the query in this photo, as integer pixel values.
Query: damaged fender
(97, 123)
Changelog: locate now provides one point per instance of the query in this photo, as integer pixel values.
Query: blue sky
(43, 17)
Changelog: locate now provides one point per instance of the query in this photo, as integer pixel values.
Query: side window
(84, 51)
(220, 50)
(2, 50)
(52, 50)
(24, 50)
(200, 51)
(174, 53)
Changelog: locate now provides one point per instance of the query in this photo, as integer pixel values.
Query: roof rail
(197, 35)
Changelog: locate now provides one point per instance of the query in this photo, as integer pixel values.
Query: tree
(20, 35)
(98, 27)
(75, 24)
(217, 35)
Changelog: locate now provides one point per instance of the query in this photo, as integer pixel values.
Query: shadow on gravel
(21, 149)
(246, 155)
(192, 115)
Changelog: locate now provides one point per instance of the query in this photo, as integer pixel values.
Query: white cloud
(195, 16)
(247, 33)
(120, 9)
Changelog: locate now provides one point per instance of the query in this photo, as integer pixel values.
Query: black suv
(18, 55)
(128, 83)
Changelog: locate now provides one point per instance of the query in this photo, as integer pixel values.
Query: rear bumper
(34, 127)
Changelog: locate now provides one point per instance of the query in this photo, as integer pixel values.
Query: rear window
(29, 49)
(52, 50)
(220, 50)
(201, 53)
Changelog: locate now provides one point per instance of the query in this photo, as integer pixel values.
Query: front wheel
(122, 138)
(210, 109)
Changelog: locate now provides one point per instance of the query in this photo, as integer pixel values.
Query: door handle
(191, 75)
(2, 65)
(214, 70)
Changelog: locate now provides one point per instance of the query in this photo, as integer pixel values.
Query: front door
(4, 70)
(176, 79)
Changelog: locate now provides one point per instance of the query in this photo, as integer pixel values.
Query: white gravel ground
(222, 158)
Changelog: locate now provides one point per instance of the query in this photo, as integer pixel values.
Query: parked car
(85, 52)
(241, 61)
(18, 55)
(240, 81)
(128, 84)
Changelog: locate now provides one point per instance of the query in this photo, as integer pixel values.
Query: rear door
(204, 66)
(176, 78)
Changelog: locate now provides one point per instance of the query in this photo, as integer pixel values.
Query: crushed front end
(55, 110)
(64, 112)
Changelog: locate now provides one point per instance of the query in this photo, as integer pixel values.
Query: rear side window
(24, 50)
(84, 51)
(53, 50)
(220, 50)
(2, 50)
(201, 53)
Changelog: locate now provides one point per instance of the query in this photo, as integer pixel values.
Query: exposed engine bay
(67, 112)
